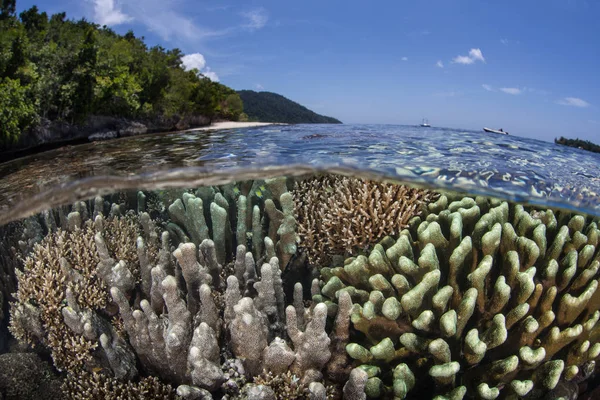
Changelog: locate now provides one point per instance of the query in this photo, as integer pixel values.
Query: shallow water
(509, 167)
(455, 294)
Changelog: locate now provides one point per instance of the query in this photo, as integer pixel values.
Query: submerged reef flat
(321, 287)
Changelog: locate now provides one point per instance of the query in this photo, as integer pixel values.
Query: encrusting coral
(480, 300)
(340, 215)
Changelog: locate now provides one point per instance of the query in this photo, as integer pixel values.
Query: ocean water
(464, 264)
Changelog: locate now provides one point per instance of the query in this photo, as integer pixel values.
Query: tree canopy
(582, 144)
(59, 69)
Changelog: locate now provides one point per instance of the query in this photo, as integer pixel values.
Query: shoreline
(231, 125)
(9, 155)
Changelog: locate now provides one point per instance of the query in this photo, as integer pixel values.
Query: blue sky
(529, 67)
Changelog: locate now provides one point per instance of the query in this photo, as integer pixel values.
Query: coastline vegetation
(56, 69)
(578, 143)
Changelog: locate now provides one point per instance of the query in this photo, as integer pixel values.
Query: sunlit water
(540, 195)
(476, 162)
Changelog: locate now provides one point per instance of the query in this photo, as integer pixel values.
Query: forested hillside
(272, 107)
(56, 69)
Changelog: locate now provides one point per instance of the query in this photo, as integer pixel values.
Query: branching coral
(481, 300)
(65, 261)
(244, 214)
(85, 386)
(110, 298)
(342, 216)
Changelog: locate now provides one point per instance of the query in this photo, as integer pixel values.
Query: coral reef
(238, 214)
(62, 269)
(479, 300)
(85, 386)
(339, 215)
(119, 307)
(199, 293)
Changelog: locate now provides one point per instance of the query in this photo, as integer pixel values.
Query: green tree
(16, 112)
(17, 58)
(7, 8)
(85, 77)
(233, 106)
(34, 21)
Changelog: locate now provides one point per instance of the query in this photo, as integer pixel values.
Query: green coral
(478, 300)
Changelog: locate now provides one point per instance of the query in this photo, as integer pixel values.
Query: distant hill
(273, 107)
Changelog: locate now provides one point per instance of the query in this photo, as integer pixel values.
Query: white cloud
(258, 86)
(404, 58)
(210, 75)
(257, 18)
(439, 64)
(164, 20)
(194, 60)
(106, 12)
(487, 87)
(474, 55)
(197, 61)
(511, 90)
(504, 41)
(573, 101)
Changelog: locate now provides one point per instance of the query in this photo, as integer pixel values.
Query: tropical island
(578, 143)
(62, 80)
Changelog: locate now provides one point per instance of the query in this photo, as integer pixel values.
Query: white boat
(501, 132)
(425, 123)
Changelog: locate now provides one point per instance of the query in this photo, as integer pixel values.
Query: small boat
(500, 131)
(425, 123)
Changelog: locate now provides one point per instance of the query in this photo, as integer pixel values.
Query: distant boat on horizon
(425, 123)
(500, 131)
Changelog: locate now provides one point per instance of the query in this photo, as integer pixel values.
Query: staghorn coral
(285, 385)
(63, 261)
(342, 216)
(85, 386)
(480, 300)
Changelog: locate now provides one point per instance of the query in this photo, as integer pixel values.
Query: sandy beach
(231, 125)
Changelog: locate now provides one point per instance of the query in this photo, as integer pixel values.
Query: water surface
(513, 168)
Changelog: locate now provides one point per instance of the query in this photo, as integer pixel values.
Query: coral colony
(327, 287)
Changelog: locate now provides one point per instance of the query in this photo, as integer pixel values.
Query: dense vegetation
(581, 144)
(55, 69)
(273, 107)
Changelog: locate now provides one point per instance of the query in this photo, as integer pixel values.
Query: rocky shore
(54, 134)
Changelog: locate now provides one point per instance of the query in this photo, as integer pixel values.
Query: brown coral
(84, 386)
(64, 260)
(339, 215)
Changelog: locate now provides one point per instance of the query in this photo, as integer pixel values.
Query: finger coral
(480, 300)
(120, 307)
(341, 215)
